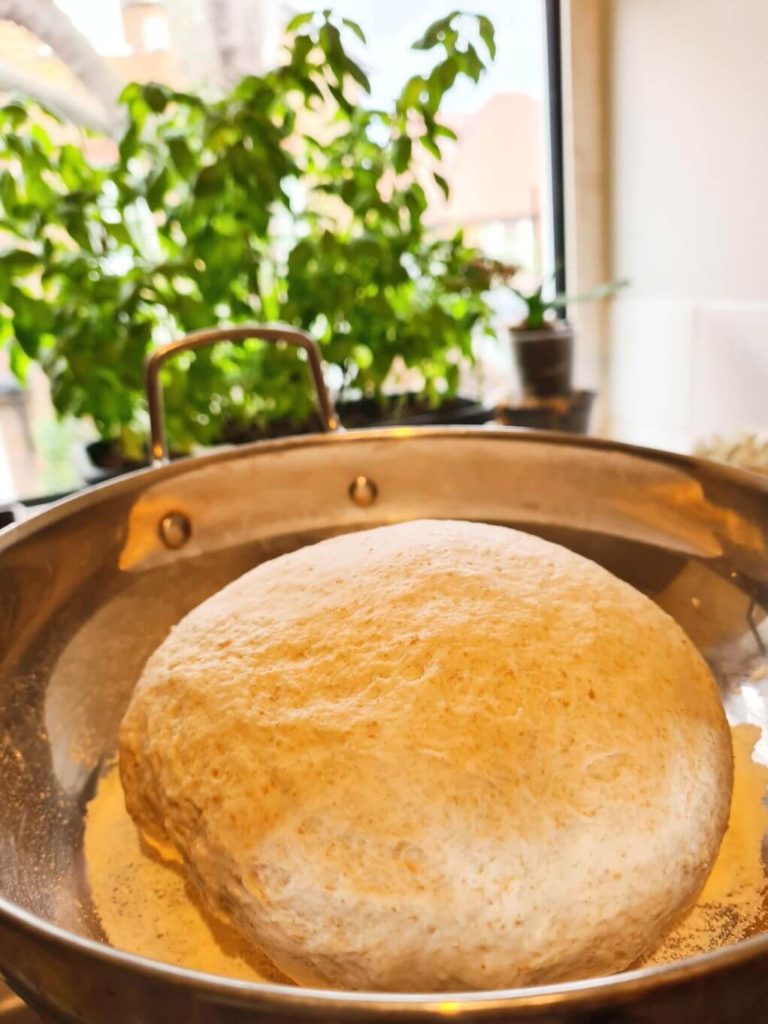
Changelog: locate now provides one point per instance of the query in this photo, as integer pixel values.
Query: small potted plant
(543, 344)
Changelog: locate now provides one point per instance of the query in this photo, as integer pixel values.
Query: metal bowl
(89, 588)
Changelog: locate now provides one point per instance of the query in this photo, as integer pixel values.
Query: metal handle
(202, 339)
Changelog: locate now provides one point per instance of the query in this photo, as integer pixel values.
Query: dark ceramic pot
(544, 359)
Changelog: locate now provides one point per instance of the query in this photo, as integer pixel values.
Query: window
(500, 168)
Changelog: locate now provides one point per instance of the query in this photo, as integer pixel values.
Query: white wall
(689, 218)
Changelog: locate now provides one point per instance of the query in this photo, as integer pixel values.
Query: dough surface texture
(433, 756)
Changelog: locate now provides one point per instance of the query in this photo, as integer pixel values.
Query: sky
(391, 26)
(99, 20)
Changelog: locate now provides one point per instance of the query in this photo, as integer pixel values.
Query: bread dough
(433, 756)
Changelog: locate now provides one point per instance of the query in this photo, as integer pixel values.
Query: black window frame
(554, 71)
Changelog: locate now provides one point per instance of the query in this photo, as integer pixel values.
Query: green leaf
(434, 33)
(431, 146)
(358, 74)
(299, 20)
(601, 291)
(20, 261)
(76, 223)
(19, 362)
(9, 198)
(181, 154)
(300, 51)
(340, 98)
(128, 143)
(209, 180)
(444, 131)
(157, 186)
(156, 96)
(28, 338)
(119, 233)
(472, 64)
(39, 192)
(441, 80)
(487, 34)
(131, 92)
(442, 184)
(330, 42)
(41, 137)
(72, 167)
(354, 27)
(411, 95)
(187, 99)
(401, 153)
(14, 113)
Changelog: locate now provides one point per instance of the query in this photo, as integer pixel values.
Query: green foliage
(538, 308)
(284, 199)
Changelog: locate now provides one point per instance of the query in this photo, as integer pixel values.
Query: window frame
(554, 73)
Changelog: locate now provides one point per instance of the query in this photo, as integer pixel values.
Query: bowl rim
(572, 994)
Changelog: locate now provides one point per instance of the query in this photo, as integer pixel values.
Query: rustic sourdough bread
(433, 756)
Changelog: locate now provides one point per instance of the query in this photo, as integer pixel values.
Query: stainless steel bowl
(89, 588)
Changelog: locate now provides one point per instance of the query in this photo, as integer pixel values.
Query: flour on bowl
(145, 904)
(734, 902)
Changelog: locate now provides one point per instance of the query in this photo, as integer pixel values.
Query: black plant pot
(410, 410)
(103, 459)
(544, 360)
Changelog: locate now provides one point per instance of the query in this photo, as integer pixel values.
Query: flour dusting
(734, 902)
(146, 906)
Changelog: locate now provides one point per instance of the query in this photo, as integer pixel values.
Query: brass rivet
(363, 491)
(175, 530)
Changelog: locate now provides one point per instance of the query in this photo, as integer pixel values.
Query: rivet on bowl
(363, 491)
(175, 530)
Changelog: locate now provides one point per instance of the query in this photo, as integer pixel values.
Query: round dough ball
(434, 756)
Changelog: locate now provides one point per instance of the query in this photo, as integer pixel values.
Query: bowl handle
(202, 339)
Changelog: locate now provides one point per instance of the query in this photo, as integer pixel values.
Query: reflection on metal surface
(459, 475)
(13, 1011)
(88, 589)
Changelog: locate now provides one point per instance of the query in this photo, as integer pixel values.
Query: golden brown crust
(432, 756)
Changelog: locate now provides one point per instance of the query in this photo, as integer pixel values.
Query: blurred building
(131, 36)
(494, 171)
